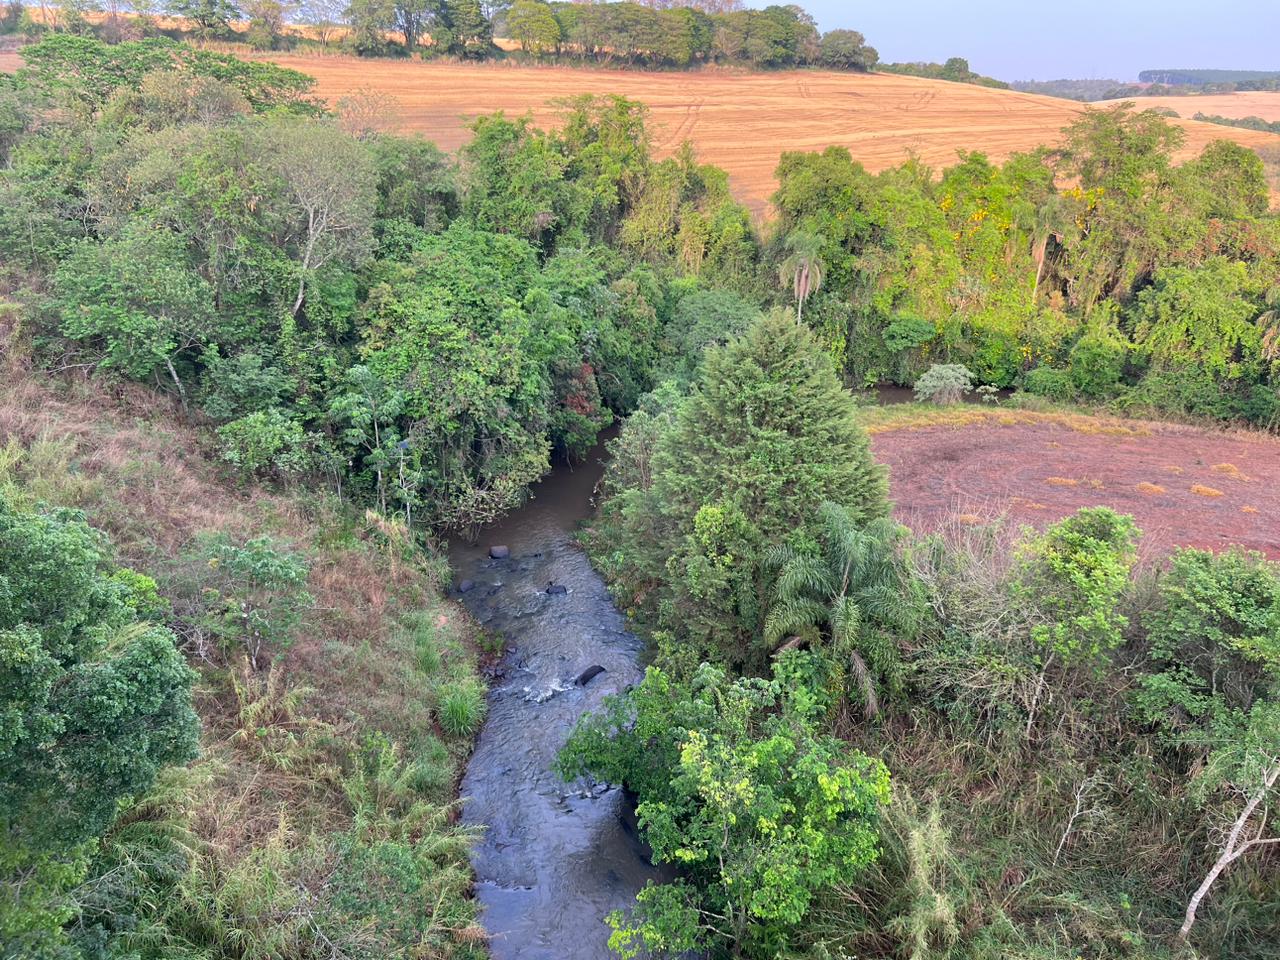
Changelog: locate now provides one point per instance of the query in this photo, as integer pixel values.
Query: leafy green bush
(247, 383)
(1075, 573)
(1052, 383)
(94, 703)
(1213, 641)
(266, 443)
(136, 305)
(253, 594)
(943, 384)
(737, 787)
(1097, 362)
(904, 336)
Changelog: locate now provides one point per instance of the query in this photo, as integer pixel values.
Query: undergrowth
(319, 820)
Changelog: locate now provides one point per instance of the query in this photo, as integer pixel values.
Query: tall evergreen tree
(767, 436)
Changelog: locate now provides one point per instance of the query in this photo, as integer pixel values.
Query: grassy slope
(295, 794)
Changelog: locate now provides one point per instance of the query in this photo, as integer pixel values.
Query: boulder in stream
(499, 552)
(589, 674)
(466, 586)
(556, 589)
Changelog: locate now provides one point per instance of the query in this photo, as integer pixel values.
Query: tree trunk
(1232, 850)
(871, 703)
(182, 394)
(1040, 258)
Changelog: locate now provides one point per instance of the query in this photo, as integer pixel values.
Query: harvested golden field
(1251, 103)
(739, 121)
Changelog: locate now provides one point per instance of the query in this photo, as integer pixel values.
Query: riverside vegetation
(257, 355)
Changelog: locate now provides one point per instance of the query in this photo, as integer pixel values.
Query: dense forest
(853, 741)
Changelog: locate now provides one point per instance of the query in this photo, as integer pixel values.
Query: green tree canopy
(767, 436)
(94, 701)
(738, 788)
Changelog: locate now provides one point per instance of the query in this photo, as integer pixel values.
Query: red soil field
(1184, 486)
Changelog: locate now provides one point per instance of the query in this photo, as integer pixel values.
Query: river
(555, 858)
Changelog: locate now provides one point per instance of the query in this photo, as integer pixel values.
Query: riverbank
(317, 819)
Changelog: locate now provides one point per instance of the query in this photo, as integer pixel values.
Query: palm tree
(803, 267)
(852, 598)
(1052, 219)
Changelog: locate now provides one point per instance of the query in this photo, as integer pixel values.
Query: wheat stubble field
(742, 122)
(1264, 104)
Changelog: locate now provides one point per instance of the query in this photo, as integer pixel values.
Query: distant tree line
(1200, 78)
(651, 33)
(1244, 123)
(1154, 83)
(956, 69)
(1085, 91)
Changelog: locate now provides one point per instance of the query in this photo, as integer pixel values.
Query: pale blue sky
(1035, 39)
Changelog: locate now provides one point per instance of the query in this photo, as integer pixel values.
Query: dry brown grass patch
(1061, 482)
(1150, 489)
(1200, 490)
(1248, 509)
(1231, 471)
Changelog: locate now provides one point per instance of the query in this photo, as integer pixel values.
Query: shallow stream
(555, 858)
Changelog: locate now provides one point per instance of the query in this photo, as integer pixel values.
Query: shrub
(1050, 382)
(1097, 362)
(93, 704)
(737, 786)
(904, 336)
(461, 707)
(266, 443)
(246, 383)
(943, 384)
(1075, 573)
(1213, 640)
(254, 594)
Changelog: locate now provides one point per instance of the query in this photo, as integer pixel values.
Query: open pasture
(1185, 486)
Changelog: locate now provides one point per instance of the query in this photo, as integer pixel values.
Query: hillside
(1251, 103)
(739, 121)
(742, 122)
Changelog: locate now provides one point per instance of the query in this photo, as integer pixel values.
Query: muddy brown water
(555, 858)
